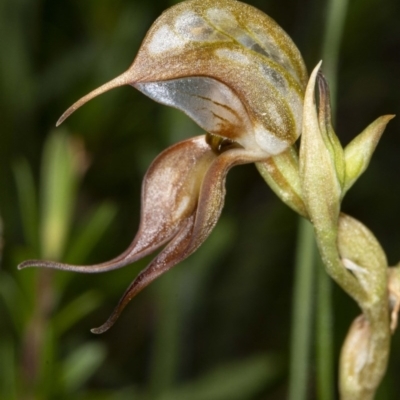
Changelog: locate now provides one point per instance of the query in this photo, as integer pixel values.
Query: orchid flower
(239, 76)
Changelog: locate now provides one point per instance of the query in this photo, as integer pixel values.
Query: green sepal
(320, 185)
(358, 152)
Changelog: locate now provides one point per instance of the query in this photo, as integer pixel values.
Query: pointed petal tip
(123, 79)
(109, 323)
(316, 69)
(27, 264)
(65, 116)
(101, 329)
(385, 119)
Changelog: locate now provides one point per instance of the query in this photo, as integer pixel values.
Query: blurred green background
(217, 326)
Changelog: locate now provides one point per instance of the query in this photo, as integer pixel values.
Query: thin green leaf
(59, 177)
(27, 199)
(234, 381)
(8, 368)
(81, 364)
(129, 393)
(13, 299)
(75, 311)
(89, 235)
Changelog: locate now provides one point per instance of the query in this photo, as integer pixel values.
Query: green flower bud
(361, 367)
(362, 254)
(366, 349)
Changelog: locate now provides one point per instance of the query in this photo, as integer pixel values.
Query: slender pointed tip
(111, 319)
(65, 115)
(385, 119)
(317, 68)
(120, 80)
(26, 264)
(60, 121)
(101, 329)
(97, 331)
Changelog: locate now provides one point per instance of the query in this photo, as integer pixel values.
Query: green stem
(302, 310)
(335, 17)
(324, 335)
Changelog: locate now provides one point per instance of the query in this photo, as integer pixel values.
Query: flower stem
(335, 18)
(302, 310)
